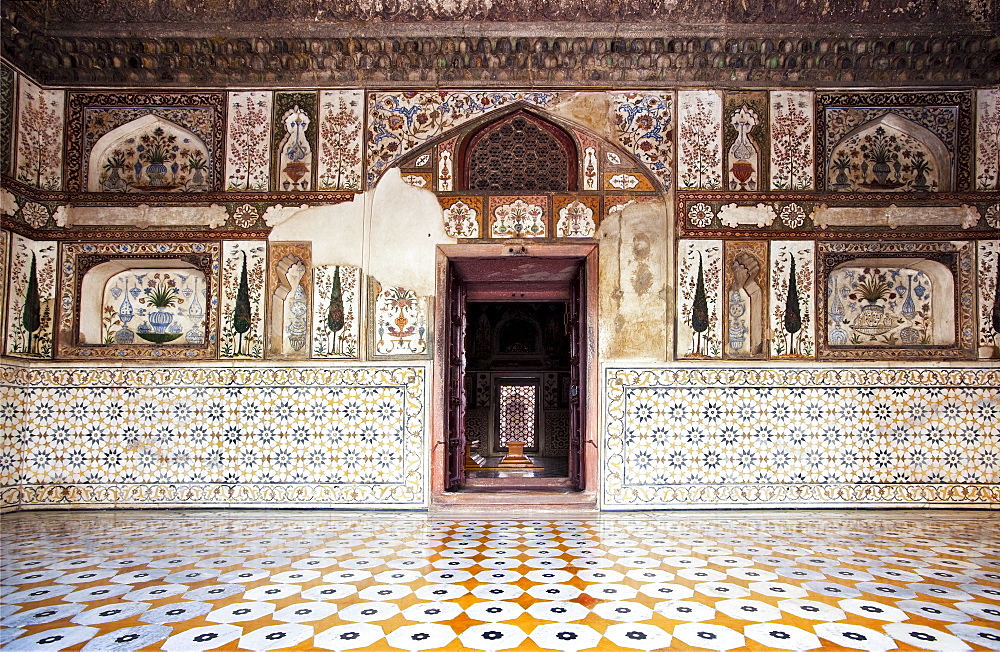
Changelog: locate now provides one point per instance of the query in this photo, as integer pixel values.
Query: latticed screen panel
(518, 156)
(518, 414)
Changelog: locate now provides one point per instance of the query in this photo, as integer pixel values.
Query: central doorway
(515, 326)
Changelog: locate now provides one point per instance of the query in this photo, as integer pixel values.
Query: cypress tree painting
(241, 310)
(699, 307)
(31, 314)
(793, 310)
(335, 312)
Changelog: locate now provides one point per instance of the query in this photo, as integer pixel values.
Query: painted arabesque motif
(644, 127)
(399, 322)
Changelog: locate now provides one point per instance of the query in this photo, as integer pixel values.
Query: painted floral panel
(699, 299)
(897, 300)
(576, 220)
(989, 298)
(988, 139)
(792, 311)
(520, 218)
(886, 162)
(248, 139)
(399, 323)
(341, 131)
(154, 277)
(793, 127)
(39, 149)
(336, 311)
(644, 127)
(699, 155)
(401, 122)
(98, 122)
(461, 219)
(886, 157)
(242, 308)
(31, 298)
(4, 278)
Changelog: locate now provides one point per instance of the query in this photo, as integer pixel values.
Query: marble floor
(323, 580)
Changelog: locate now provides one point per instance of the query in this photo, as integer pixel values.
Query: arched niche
(890, 302)
(890, 154)
(149, 154)
(746, 309)
(290, 308)
(117, 303)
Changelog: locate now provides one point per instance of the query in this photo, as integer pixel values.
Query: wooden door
(576, 325)
(455, 435)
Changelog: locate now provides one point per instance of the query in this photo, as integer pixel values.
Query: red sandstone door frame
(582, 260)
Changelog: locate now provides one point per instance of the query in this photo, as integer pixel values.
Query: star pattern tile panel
(217, 580)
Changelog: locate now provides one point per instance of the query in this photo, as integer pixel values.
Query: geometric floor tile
(275, 580)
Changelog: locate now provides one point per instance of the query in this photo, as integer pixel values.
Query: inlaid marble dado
(728, 437)
(170, 435)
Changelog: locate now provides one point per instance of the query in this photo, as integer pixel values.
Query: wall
(728, 224)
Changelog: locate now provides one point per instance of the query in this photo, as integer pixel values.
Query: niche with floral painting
(150, 154)
(897, 300)
(139, 301)
(154, 305)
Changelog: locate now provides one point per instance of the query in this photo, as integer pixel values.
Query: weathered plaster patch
(592, 110)
(405, 229)
(632, 283)
(336, 231)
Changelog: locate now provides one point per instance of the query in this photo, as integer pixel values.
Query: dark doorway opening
(514, 335)
(517, 387)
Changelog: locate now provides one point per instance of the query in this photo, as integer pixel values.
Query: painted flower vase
(881, 170)
(157, 173)
(160, 319)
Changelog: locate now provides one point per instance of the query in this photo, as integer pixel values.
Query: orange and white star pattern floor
(293, 580)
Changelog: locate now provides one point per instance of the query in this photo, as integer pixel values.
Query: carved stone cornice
(562, 44)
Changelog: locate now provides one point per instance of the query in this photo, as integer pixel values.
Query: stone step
(582, 501)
